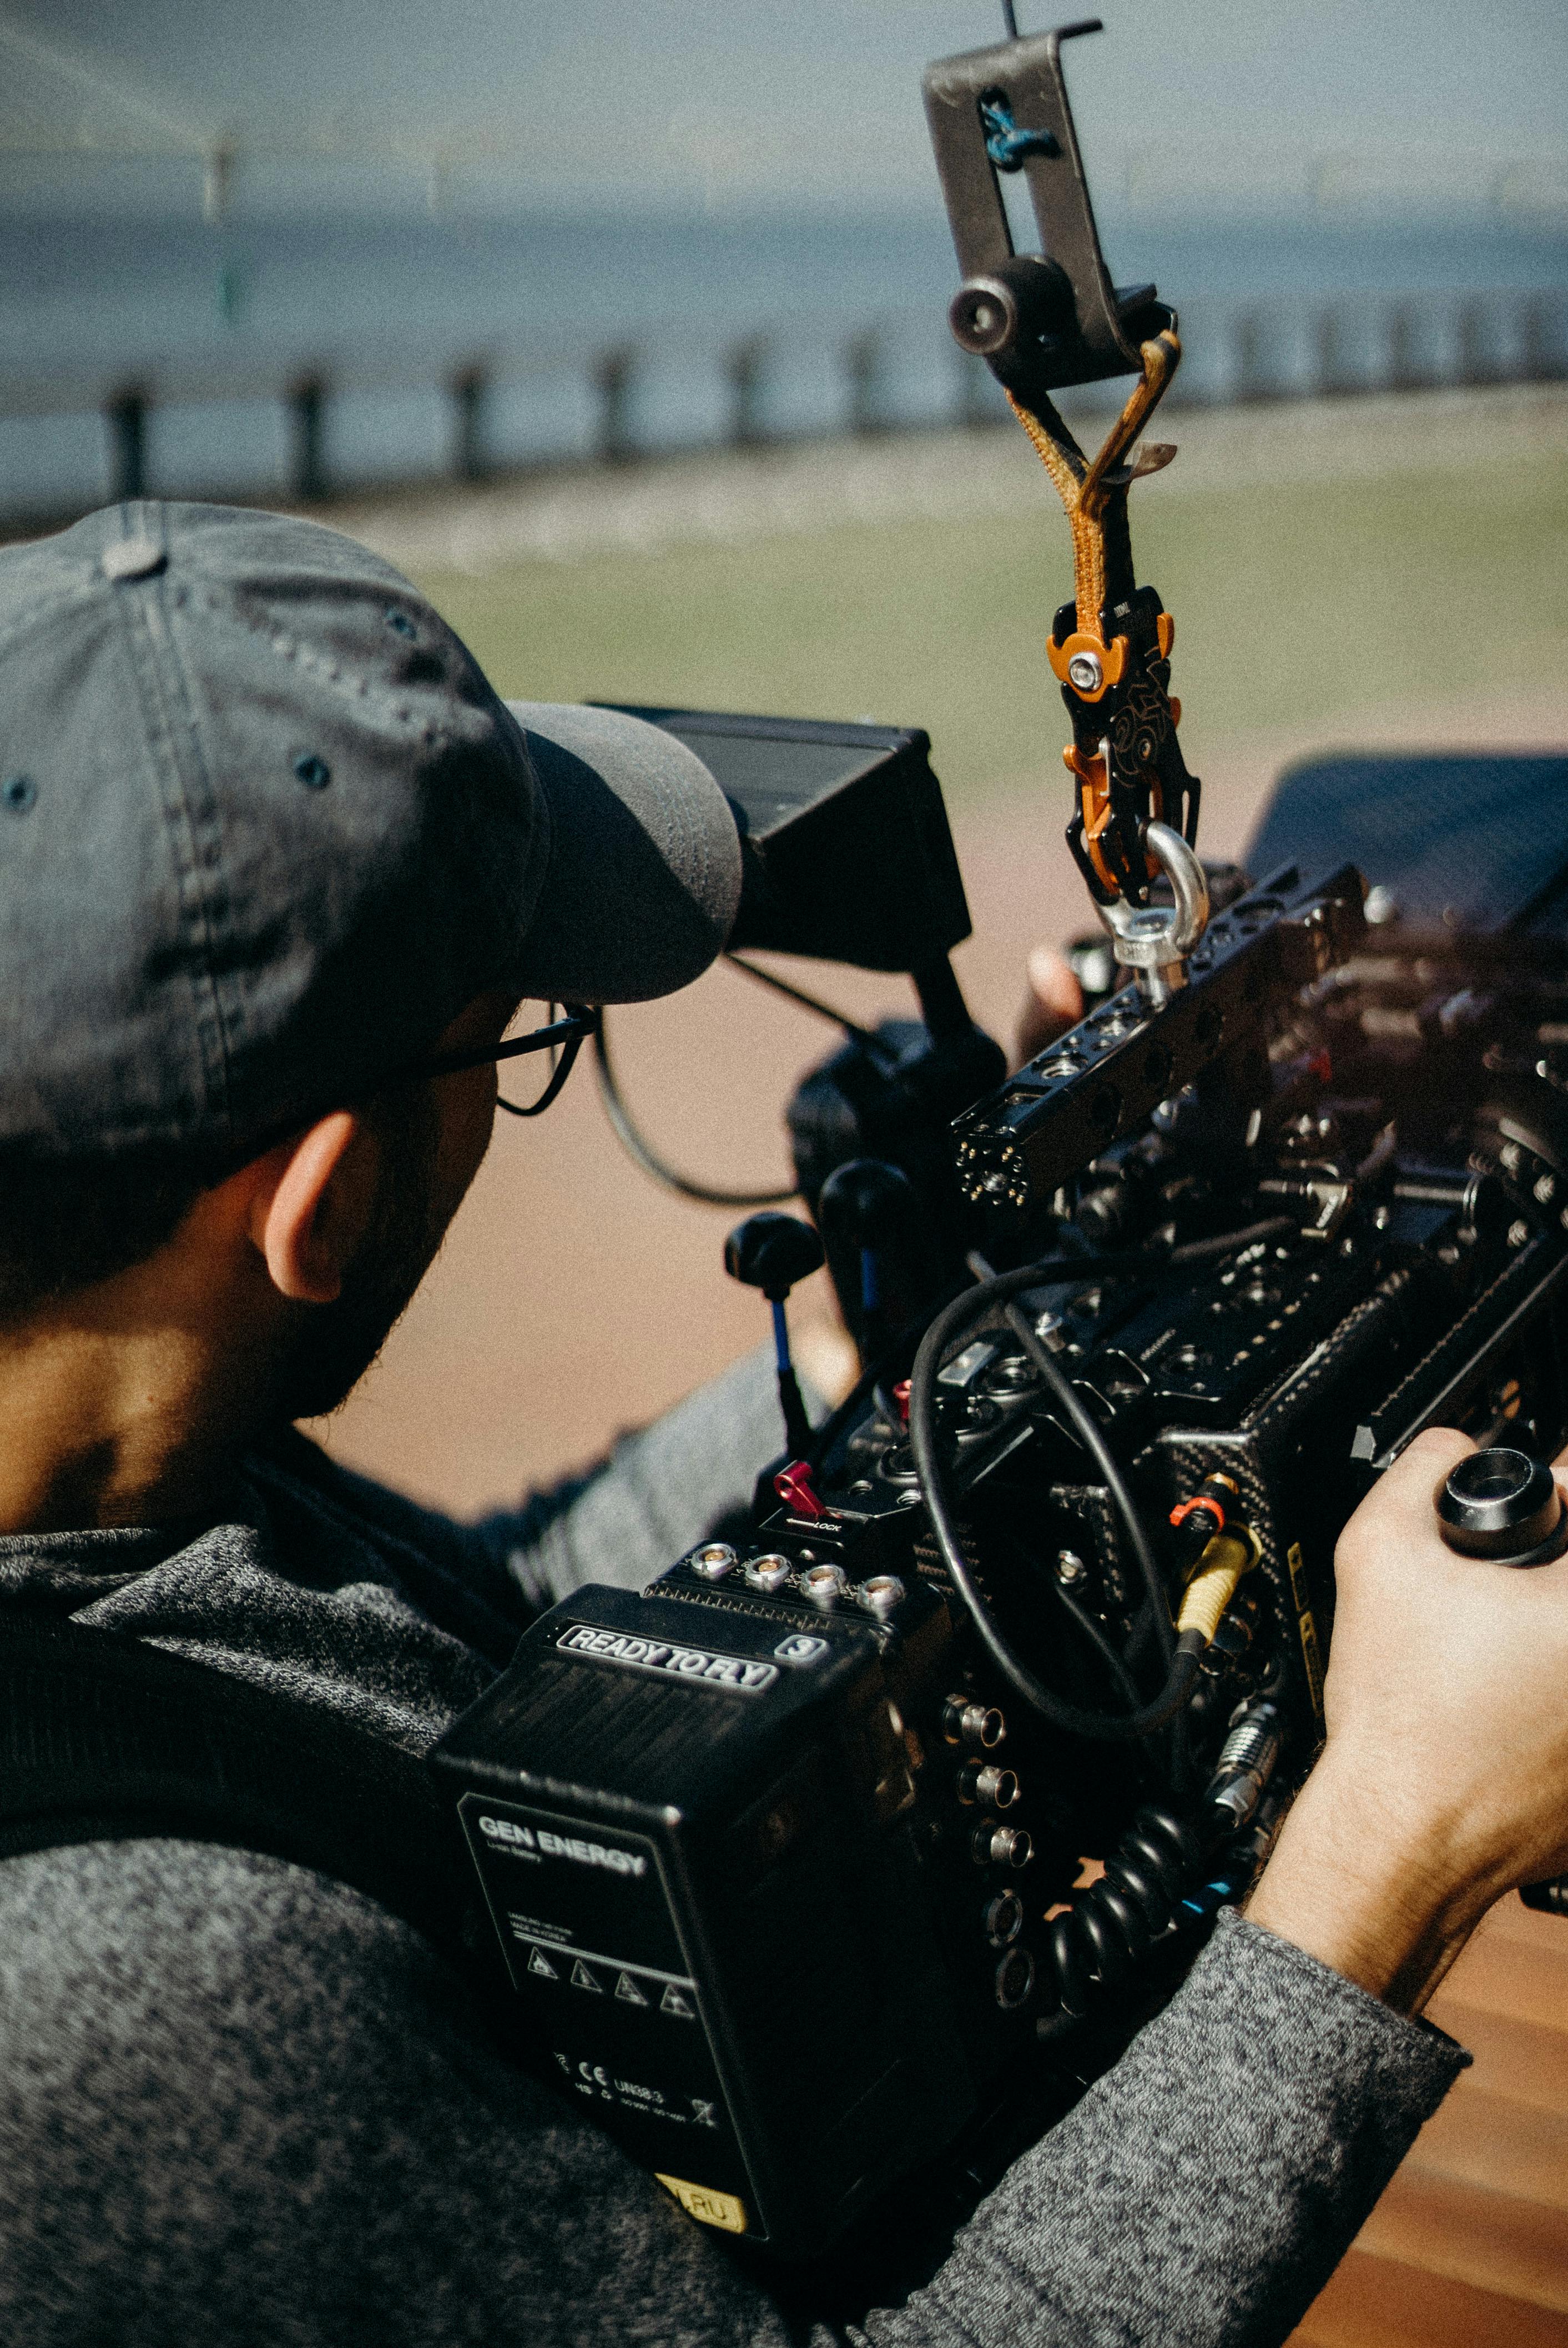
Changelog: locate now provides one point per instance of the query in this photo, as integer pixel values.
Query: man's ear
(308, 1220)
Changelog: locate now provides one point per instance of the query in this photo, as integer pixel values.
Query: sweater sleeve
(244, 2104)
(658, 1492)
(1202, 2193)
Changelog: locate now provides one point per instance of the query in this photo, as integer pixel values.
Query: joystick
(772, 1253)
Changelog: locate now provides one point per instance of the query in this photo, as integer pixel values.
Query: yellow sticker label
(1297, 1576)
(1311, 1655)
(706, 2204)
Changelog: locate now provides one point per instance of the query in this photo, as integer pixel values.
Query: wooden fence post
(862, 364)
(1254, 377)
(613, 374)
(1404, 370)
(308, 436)
(746, 372)
(126, 417)
(1335, 377)
(976, 401)
(471, 400)
(1477, 354)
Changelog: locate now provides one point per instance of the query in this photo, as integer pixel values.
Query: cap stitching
(348, 682)
(147, 622)
(541, 821)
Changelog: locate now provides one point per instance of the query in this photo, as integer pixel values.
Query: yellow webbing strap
(1083, 495)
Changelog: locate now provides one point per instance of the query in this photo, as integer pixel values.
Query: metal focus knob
(1504, 1505)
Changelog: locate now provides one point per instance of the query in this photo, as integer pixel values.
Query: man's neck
(121, 1408)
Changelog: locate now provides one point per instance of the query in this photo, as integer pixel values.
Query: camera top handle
(1043, 322)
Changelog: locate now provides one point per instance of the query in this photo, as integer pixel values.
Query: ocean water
(216, 323)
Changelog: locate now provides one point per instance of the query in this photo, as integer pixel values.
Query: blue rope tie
(1008, 147)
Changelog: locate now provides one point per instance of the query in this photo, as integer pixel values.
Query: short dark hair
(65, 1223)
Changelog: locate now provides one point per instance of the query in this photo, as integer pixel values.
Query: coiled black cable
(1101, 1939)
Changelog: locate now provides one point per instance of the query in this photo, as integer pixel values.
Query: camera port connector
(994, 1846)
(964, 1721)
(982, 1782)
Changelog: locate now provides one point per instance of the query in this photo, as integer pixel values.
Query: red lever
(901, 1396)
(795, 1489)
(1216, 1508)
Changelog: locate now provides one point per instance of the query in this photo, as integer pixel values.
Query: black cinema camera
(787, 1852)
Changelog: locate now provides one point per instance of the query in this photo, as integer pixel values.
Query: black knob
(1504, 1505)
(772, 1253)
(866, 1199)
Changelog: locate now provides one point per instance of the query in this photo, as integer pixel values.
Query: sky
(682, 102)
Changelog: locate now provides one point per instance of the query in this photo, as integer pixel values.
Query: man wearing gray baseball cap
(276, 867)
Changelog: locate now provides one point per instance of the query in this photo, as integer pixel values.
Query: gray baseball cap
(265, 828)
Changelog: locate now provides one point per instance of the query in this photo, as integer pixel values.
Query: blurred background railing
(249, 427)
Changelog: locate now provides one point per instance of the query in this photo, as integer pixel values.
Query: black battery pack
(697, 1829)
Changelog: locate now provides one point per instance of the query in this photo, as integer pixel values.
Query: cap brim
(643, 879)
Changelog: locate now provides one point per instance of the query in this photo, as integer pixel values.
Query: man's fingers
(1054, 1002)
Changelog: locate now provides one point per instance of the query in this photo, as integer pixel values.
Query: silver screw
(881, 1593)
(1518, 1233)
(1381, 906)
(713, 1560)
(1547, 1188)
(1085, 671)
(1070, 1569)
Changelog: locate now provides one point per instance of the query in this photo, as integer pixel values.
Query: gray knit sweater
(241, 2103)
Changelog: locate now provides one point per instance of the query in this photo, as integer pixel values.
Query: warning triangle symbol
(627, 1988)
(540, 1963)
(673, 2001)
(583, 1979)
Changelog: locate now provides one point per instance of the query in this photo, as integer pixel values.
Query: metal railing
(897, 372)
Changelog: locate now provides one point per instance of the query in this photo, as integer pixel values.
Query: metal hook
(1154, 941)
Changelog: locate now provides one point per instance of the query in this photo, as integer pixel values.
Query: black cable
(632, 1142)
(949, 1325)
(880, 1367)
(866, 1037)
(1071, 1402)
(897, 1350)
(1124, 1684)
(1050, 1270)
